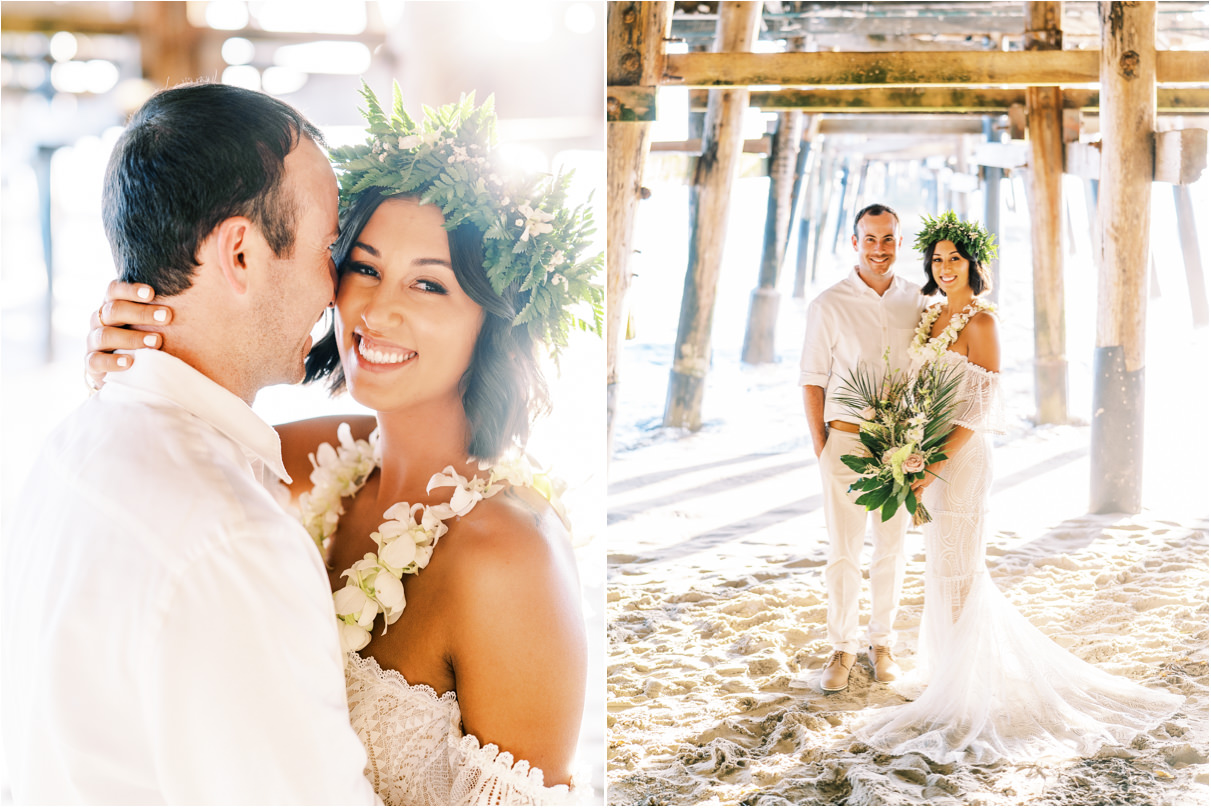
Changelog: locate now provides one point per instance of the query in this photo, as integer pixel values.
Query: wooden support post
(827, 180)
(709, 196)
(42, 160)
(169, 46)
(1044, 116)
(1187, 232)
(635, 47)
(1128, 120)
(991, 177)
(808, 212)
(845, 172)
(763, 306)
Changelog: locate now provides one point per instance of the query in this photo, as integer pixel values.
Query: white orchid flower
(409, 142)
(536, 222)
(353, 603)
(398, 554)
(466, 492)
(389, 591)
(353, 637)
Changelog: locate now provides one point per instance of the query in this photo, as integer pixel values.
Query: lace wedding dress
(998, 688)
(416, 753)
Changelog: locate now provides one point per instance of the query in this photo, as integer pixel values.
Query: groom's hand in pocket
(128, 319)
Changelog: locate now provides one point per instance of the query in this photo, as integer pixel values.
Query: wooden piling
(1187, 233)
(721, 147)
(759, 333)
(1128, 120)
(634, 52)
(1044, 115)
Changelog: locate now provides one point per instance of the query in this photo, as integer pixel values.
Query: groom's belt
(843, 426)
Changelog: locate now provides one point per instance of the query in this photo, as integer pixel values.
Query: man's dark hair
(503, 387)
(874, 210)
(191, 157)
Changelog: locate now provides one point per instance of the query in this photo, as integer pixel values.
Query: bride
(450, 276)
(997, 687)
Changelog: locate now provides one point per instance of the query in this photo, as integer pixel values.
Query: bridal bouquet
(905, 421)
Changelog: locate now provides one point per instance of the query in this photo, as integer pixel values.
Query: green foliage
(978, 242)
(532, 241)
(900, 415)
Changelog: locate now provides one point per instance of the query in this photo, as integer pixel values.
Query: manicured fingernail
(161, 315)
(150, 340)
(123, 361)
(145, 293)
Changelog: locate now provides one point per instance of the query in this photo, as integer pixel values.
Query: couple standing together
(997, 688)
(171, 632)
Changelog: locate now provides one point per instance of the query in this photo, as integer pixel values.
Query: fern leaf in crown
(971, 236)
(533, 241)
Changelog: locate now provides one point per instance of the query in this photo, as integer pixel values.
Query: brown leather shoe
(883, 664)
(836, 673)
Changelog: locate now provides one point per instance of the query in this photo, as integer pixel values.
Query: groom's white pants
(846, 532)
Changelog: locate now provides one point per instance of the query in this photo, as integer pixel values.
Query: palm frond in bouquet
(904, 420)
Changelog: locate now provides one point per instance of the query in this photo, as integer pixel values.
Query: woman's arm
(518, 643)
(983, 350)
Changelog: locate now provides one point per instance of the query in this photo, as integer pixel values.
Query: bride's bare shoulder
(515, 528)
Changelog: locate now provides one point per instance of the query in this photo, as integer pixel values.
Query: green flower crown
(974, 239)
(532, 240)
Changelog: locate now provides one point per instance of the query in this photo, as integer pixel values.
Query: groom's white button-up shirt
(169, 635)
(849, 324)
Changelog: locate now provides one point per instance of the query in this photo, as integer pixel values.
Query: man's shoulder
(833, 295)
(178, 469)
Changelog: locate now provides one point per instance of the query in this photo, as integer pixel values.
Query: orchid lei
(406, 540)
(924, 349)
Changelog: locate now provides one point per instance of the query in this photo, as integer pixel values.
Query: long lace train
(998, 688)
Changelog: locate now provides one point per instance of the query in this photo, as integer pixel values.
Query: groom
(169, 634)
(855, 322)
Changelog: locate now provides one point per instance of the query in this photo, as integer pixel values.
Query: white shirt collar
(855, 279)
(167, 377)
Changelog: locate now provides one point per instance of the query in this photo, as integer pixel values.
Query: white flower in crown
(466, 492)
(536, 221)
(409, 142)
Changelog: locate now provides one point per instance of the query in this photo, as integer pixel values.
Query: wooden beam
(1083, 160)
(709, 197)
(1181, 156)
(1045, 128)
(630, 103)
(635, 35)
(981, 101)
(1129, 70)
(919, 69)
(898, 125)
(757, 145)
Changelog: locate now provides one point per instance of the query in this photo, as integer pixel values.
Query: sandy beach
(716, 596)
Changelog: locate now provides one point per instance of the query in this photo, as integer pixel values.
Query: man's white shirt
(850, 324)
(169, 634)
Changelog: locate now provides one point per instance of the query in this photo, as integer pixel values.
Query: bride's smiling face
(407, 330)
(949, 267)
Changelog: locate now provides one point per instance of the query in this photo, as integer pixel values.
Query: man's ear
(235, 245)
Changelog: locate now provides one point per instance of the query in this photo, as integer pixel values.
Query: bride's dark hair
(503, 388)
